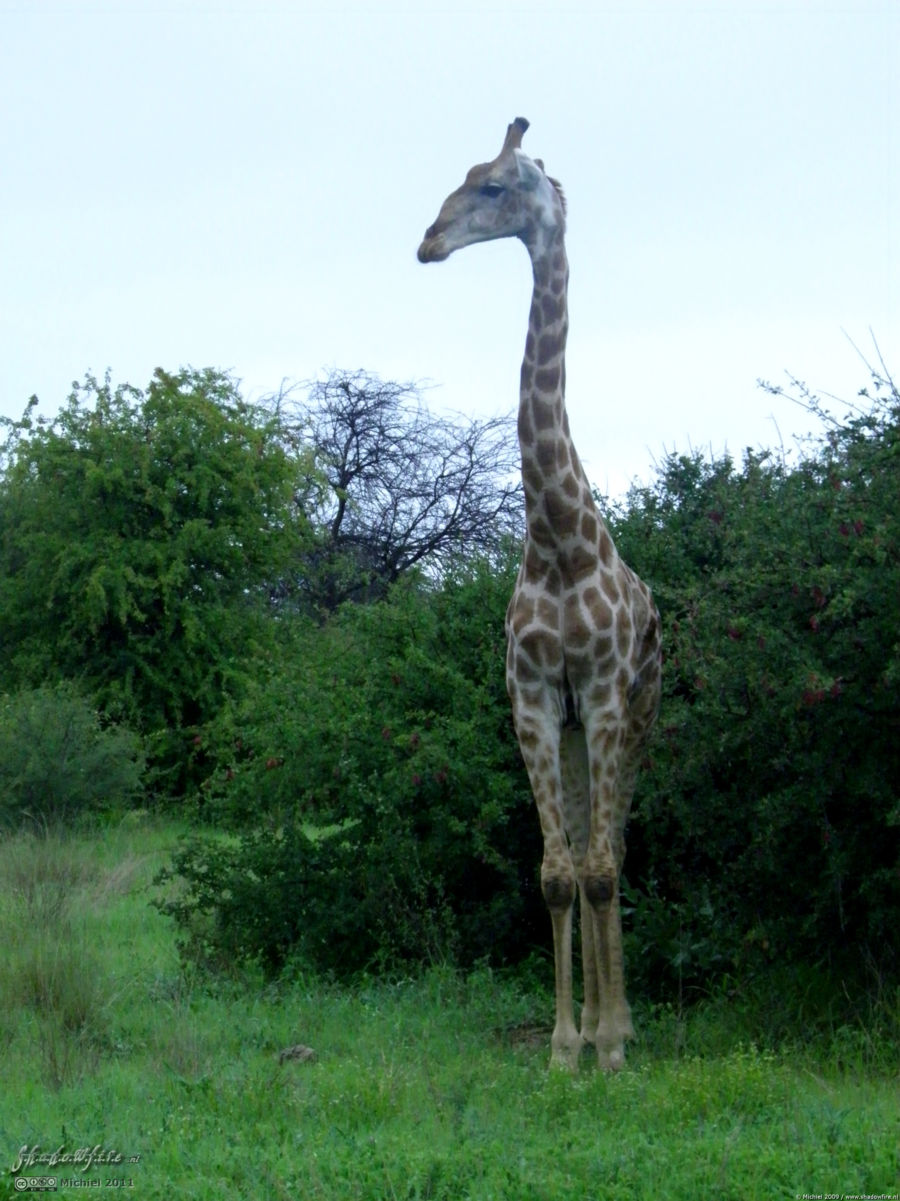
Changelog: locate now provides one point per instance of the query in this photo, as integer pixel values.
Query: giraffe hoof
(566, 1053)
(612, 1060)
(567, 1063)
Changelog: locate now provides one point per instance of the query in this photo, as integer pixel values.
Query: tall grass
(50, 972)
(434, 1087)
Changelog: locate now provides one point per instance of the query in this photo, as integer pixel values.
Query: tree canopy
(395, 486)
(139, 531)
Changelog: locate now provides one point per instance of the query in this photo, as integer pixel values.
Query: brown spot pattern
(546, 379)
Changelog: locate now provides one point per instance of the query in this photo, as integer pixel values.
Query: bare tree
(395, 486)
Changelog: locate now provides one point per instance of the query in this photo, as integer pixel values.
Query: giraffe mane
(560, 193)
(557, 186)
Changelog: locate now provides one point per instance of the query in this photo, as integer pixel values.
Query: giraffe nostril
(431, 230)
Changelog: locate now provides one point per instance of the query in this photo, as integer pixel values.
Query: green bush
(383, 813)
(279, 896)
(140, 535)
(767, 827)
(386, 736)
(57, 759)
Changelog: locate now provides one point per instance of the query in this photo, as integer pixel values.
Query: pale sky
(244, 186)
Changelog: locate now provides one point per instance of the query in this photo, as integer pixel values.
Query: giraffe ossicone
(583, 634)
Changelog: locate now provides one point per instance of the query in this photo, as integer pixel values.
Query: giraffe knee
(599, 888)
(558, 889)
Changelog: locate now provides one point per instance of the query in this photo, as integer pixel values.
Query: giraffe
(583, 634)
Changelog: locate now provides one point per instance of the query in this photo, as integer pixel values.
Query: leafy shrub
(140, 533)
(279, 896)
(388, 729)
(768, 821)
(58, 760)
(766, 827)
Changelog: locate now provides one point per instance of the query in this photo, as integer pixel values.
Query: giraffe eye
(492, 189)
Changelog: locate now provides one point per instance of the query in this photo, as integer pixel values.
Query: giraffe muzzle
(433, 248)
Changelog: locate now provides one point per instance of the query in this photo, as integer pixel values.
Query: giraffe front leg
(590, 1010)
(575, 772)
(558, 887)
(600, 887)
(537, 721)
(614, 1021)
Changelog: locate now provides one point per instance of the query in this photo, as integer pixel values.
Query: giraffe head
(510, 196)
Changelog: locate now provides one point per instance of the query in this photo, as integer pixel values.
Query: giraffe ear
(530, 173)
(514, 135)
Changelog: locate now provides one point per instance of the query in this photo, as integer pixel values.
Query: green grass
(430, 1088)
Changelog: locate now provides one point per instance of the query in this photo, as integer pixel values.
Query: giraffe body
(583, 634)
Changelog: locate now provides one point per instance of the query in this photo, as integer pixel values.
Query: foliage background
(350, 769)
(768, 819)
(138, 532)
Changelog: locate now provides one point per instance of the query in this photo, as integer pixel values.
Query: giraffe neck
(556, 490)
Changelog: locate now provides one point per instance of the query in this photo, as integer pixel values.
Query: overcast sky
(244, 186)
